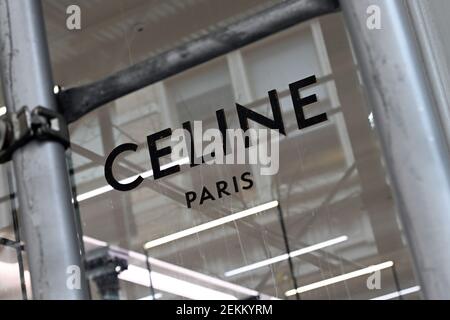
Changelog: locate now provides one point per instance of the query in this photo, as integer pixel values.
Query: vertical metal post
(45, 209)
(413, 142)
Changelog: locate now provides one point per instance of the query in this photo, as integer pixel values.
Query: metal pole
(412, 138)
(45, 209)
(288, 251)
(78, 101)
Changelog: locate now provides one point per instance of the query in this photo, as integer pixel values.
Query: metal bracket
(104, 268)
(19, 128)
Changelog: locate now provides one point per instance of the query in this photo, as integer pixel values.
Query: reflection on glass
(340, 219)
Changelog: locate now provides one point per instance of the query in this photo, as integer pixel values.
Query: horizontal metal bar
(78, 101)
(9, 243)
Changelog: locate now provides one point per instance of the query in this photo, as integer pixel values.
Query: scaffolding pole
(411, 134)
(45, 204)
(78, 101)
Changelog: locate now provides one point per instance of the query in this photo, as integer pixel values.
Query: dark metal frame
(78, 101)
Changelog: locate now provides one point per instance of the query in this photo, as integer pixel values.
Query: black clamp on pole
(19, 128)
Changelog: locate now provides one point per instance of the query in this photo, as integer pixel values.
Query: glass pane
(334, 209)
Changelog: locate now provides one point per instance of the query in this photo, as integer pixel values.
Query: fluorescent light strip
(95, 242)
(340, 278)
(151, 297)
(182, 271)
(285, 256)
(194, 275)
(398, 293)
(146, 174)
(172, 285)
(211, 224)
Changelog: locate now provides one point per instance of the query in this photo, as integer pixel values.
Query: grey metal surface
(78, 101)
(46, 212)
(431, 24)
(411, 134)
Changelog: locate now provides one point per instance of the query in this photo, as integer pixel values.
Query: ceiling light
(146, 174)
(211, 224)
(340, 278)
(285, 256)
(172, 285)
(398, 293)
(151, 297)
(3, 110)
(197, 276)
(94, 241)
(181, 272)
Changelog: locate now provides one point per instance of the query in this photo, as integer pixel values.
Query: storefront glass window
(325, 224)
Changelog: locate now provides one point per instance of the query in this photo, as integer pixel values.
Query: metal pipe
(78, 101)
(45, 208)
(288, 250)
(411, 135)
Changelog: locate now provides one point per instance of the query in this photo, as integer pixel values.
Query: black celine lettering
(244, 115)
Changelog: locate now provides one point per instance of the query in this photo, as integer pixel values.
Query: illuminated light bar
(151, 297)
(144, 175)
(211, 224)
(285, 256)
(172, 285)
(397, 294)
(183, 272)
(340, 278)
(95, 242)
(172, 268)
